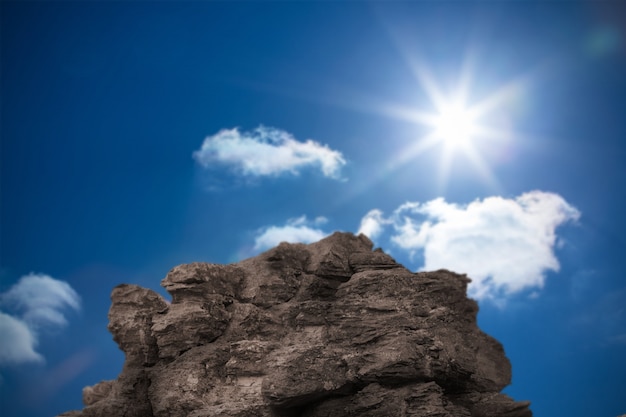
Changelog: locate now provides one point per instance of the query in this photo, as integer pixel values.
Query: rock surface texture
(330, 329)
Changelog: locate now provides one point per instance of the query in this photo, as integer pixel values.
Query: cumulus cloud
(504, 245)
(36, 302)
(267, 151)
(297, 230)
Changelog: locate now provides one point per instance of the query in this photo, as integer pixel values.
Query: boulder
(329, 329)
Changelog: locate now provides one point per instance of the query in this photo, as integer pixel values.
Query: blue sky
(136, 136)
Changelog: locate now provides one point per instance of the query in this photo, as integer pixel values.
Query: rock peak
(329, 329)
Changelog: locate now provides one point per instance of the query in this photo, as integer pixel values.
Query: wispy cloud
(505, 245)
(18, 341)
(267, 151)
(298, 230)
(35, 303)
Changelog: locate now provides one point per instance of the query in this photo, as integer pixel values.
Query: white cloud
(37, 302)
(18, 341)
(267, 151)
(298, 230)
(504, 245)
(372, 224)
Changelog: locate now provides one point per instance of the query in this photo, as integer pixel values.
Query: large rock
(330, 329)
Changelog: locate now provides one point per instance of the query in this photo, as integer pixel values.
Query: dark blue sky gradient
(103, 103)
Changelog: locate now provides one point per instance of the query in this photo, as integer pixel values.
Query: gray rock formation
(330, 329)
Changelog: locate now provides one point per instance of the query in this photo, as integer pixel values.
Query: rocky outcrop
(330, 329)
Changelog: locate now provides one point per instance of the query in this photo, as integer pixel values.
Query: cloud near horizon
(267, 151)
(504, 245)
(297, 230)
(36, 302)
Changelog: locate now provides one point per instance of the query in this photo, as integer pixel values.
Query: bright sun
(455, 125)
(462, 128)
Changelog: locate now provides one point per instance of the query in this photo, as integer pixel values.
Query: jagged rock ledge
(330, 329)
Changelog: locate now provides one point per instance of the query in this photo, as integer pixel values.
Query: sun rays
(456, 127)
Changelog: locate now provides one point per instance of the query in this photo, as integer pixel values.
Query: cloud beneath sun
(267, 151)
(504, 245)
(36, 303)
